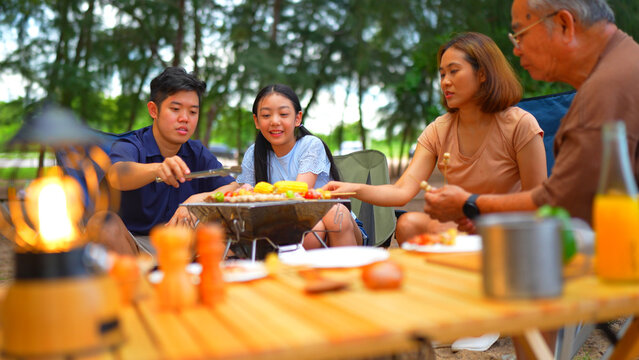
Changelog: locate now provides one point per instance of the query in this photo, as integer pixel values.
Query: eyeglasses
(513, 37)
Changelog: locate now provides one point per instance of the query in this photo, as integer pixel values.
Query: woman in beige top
(491, 146)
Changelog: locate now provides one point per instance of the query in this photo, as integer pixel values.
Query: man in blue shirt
(164, 150)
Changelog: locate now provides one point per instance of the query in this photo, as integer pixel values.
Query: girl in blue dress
(285, 150)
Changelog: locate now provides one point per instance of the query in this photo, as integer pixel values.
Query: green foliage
(234, 128)
(71, 51)
(11, 115)
(348, 132)
(25, 173)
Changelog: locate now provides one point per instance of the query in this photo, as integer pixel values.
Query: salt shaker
(176, 290)
(210, 248)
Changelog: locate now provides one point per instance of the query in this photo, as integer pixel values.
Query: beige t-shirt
(493, 168)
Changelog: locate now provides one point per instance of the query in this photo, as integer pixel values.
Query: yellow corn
(263, 187)
(295, 186)
(325, 194)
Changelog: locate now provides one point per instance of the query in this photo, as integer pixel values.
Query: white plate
(463, 243)
(242, 270)
(232, 271)
(194, 269)
(336, 257)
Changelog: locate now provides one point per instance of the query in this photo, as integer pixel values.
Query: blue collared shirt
(155, 203)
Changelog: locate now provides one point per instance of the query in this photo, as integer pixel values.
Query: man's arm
(521, 201)
(445, 204)
(129, 175)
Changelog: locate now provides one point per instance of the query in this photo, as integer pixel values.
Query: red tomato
(312, 194)
(421, 239)
(426, 239)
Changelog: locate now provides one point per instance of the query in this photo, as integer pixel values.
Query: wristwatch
(470, 208)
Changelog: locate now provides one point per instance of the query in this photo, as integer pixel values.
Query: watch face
(470, 209)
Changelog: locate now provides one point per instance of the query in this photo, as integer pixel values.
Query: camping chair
(548, 110)
(369, 167)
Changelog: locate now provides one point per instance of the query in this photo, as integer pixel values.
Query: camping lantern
(61, 303)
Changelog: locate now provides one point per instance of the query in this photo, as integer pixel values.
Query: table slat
(169, 331)
(137, 344)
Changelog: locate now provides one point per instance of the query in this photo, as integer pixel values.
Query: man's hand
(445, 203)
(466, 225)
(172, 171)
(182, 217)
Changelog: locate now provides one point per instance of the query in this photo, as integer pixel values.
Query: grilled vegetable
(567, 235)
(294, 186)
(263, 187)
(219, 196)
(312, 194)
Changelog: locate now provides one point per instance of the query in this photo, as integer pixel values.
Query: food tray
(282, 222)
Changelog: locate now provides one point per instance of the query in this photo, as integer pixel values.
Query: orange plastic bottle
(616, 211)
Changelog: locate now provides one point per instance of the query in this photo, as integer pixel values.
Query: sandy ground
(6, 260)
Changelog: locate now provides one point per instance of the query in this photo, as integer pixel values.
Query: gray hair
(587, 12)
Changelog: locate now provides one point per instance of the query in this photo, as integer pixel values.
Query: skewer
(343, 193)
(425, 186)
(445, 161)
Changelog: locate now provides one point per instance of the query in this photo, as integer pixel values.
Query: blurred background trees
(98, 57)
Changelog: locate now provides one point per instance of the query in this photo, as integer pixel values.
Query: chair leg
(627, 347)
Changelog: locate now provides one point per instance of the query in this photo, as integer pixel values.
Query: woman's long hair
(262, 146)
(501, 88)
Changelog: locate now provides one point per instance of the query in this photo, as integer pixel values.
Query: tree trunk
(400, 163)
(179, 36)
(135, 99)
(197, 32)
(238, 134)
(210, 120)
(61, 54)
(340, 131)
(277, 8)
(360, 95)
(87, 34)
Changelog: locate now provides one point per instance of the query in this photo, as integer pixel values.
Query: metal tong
(223, 171)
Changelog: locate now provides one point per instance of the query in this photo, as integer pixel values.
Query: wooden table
(272, 318)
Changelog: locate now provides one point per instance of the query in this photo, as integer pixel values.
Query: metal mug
(522, 256)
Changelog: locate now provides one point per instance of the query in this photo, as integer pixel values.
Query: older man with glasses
(578, 43)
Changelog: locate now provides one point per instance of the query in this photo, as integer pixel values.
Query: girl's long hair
(262, 146)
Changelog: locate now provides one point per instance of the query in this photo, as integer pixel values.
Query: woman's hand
(341, 187)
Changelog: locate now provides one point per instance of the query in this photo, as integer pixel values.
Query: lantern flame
(54, 208)
(55, 225)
